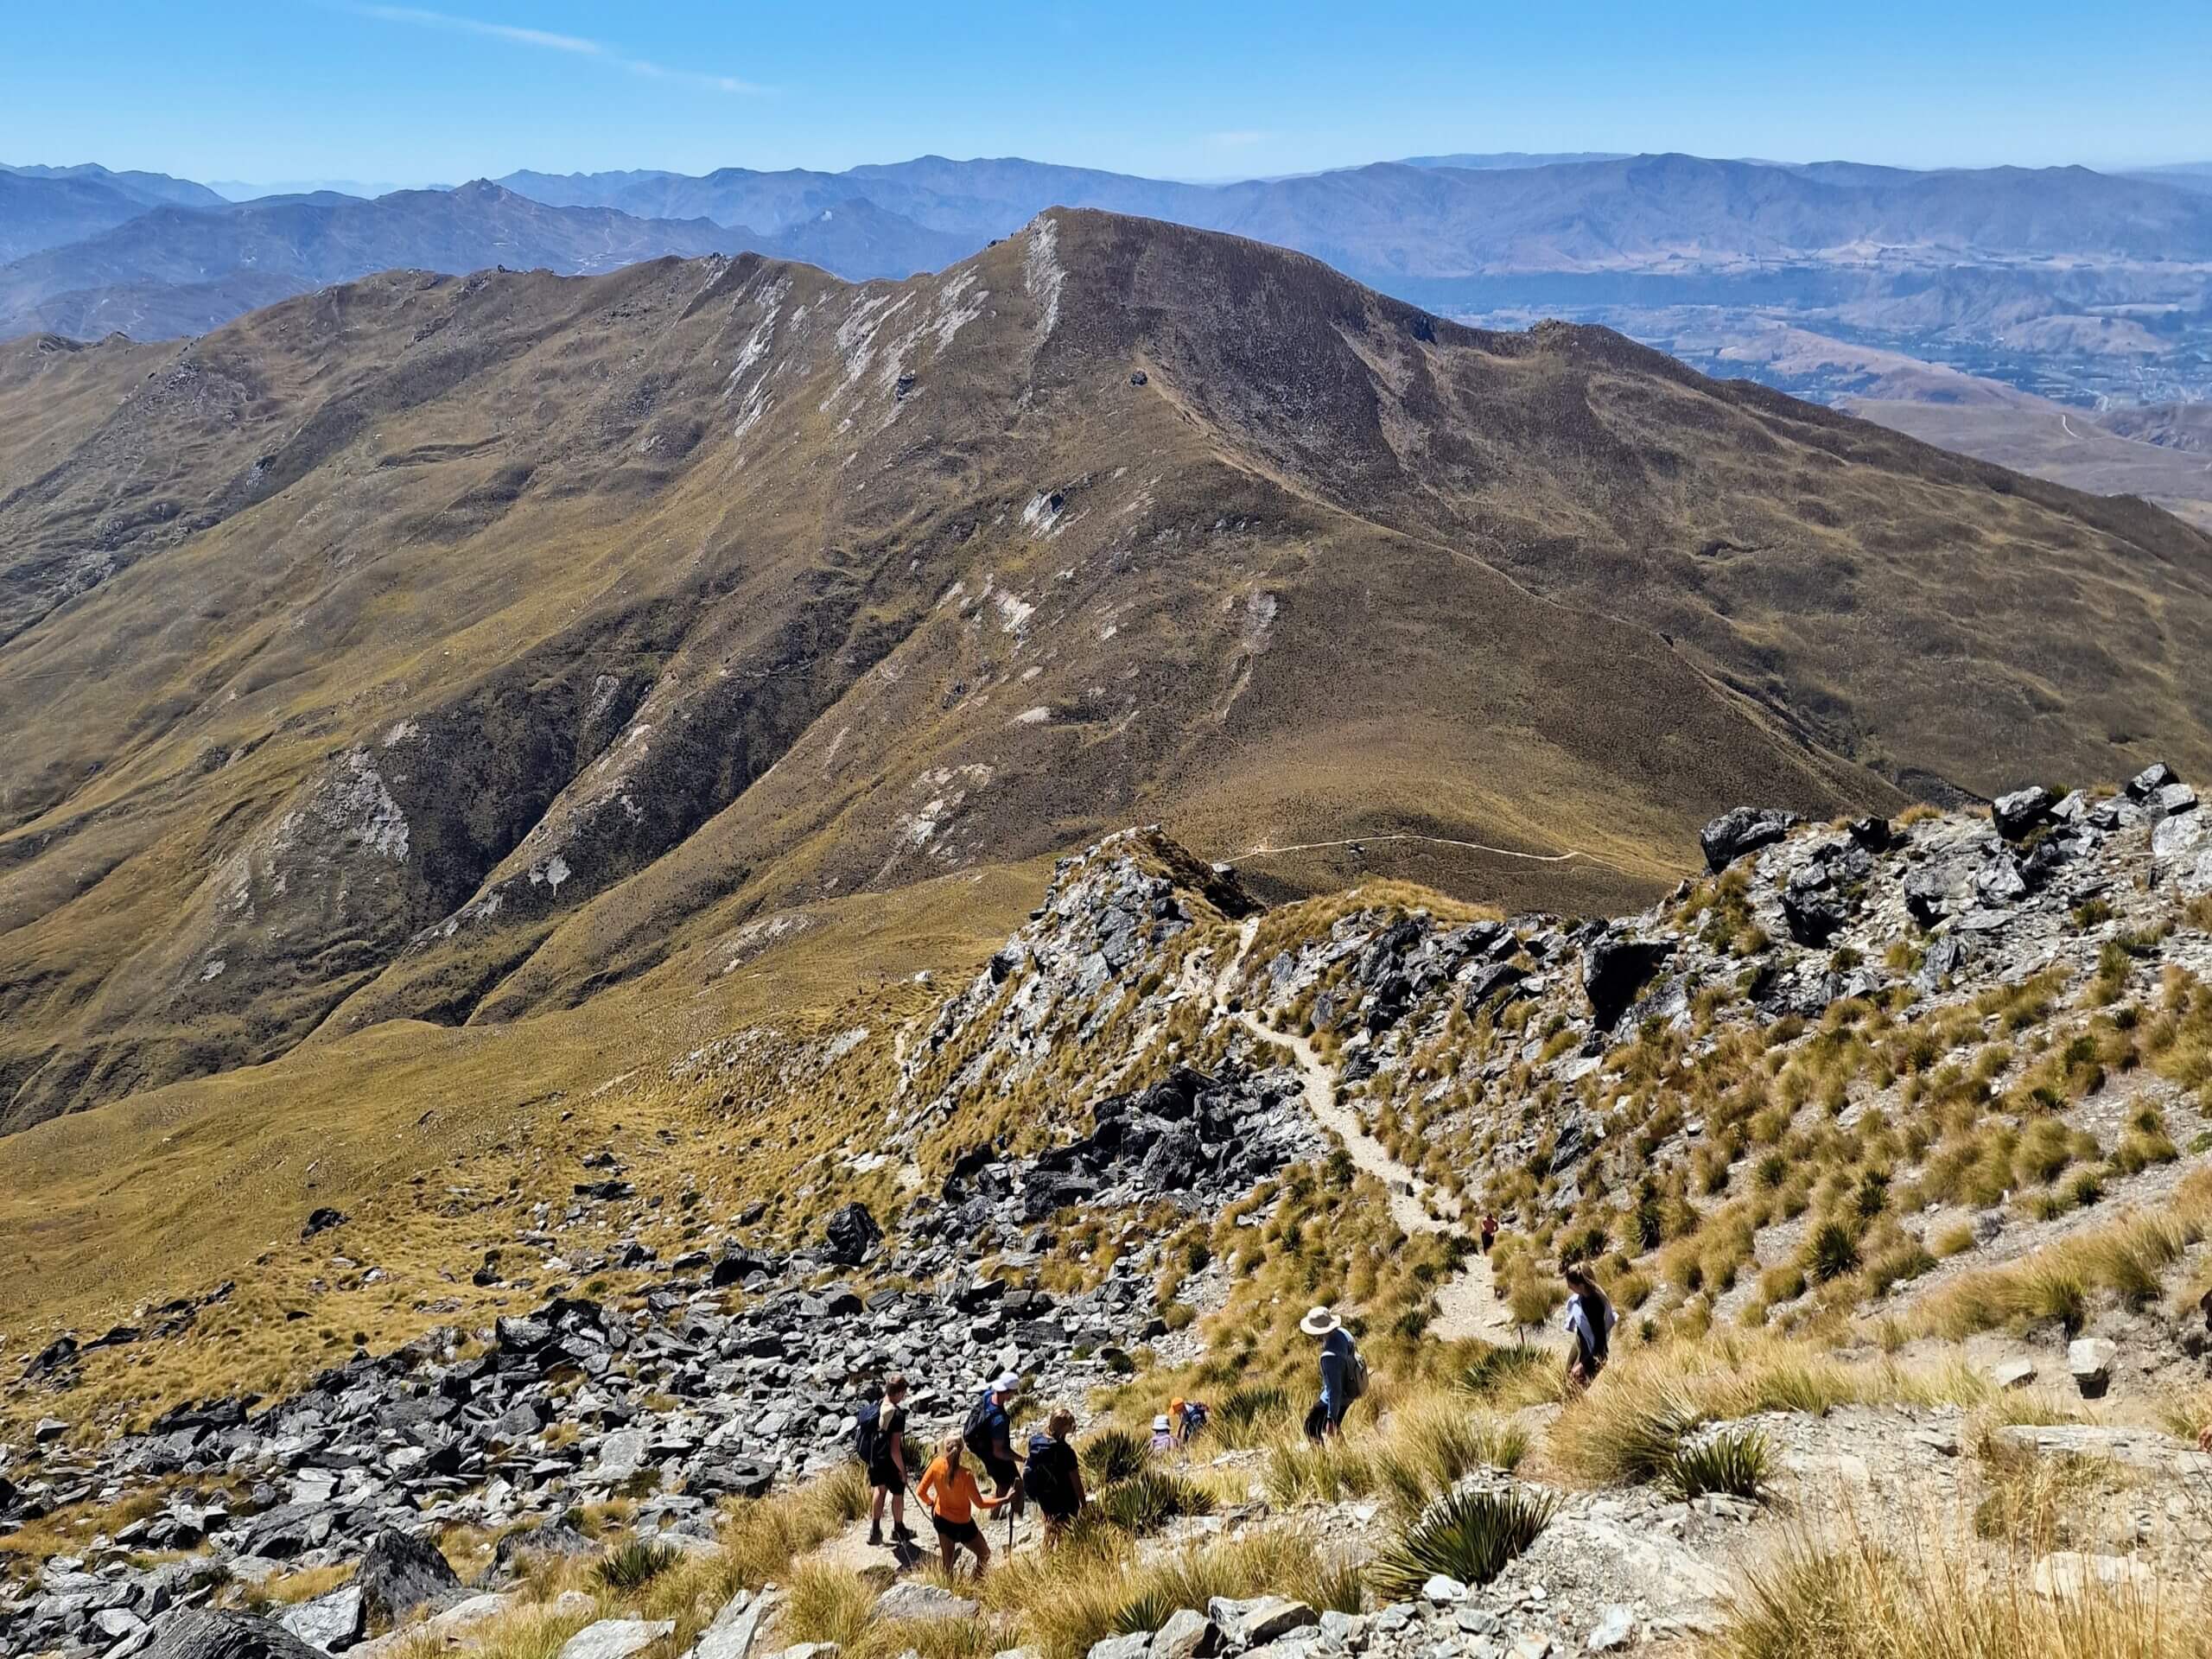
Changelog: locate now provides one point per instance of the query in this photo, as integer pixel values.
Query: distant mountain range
(88, 249)
(2091, 289)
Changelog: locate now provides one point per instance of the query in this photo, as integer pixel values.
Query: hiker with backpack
(1189, 1417)
(1053, 1476)
(1344, 1373)
(948, 1491)
(1590, 1322)
(879, 1439)
(989, 1436)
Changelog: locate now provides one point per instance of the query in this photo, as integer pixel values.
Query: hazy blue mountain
(175, 271)
(45, 208)
(1512, 158)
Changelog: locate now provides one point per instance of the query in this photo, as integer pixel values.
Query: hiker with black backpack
(1344, 1373)
(1590, 1322)
(989, 1435)
(880, 1441)
(1053, 1476)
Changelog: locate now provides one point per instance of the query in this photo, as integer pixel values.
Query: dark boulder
(732, 1478)
(1873, 832)
(401, 1572)
(57, 1354)
(2016, 814)
(737, 1267)
(1614, 968)
(2149, 781)
(322, 1220)
(203, 1633)
(1813, 915)
(1742, 829)
(1489, 982)
(551, 1539)
(1176, 1095)
(852, 1233)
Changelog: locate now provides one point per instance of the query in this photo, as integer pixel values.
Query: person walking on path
(885, 1453)
(1054, 1477)
(948, 1491)
(1343, 1374)
(1590, 1321)
(989, 1435)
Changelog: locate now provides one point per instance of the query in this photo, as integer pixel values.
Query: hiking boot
(903, 1534)
(875, 1535)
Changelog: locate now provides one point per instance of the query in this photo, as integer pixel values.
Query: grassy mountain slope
(458, 649)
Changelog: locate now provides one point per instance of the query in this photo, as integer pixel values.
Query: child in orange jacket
(949, 1493)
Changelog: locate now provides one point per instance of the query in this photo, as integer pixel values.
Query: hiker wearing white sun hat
(989, 1435)
(1343, 1374)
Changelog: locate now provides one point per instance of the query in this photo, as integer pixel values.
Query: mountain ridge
(544, 631)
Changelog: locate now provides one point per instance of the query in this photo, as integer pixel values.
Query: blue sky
(258, 90)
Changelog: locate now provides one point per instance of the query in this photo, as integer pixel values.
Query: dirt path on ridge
(1467, 1304)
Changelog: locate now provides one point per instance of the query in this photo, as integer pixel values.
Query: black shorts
(884, 1478)
(956, 1532)
(1005, 1474)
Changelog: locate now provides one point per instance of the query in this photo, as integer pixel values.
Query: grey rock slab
(1615, 1628)
(2140, 1449)
(2065, 1575)
(1250, 1623)
(735, 1630)
(1186, 1635)
(2014, 1373)
(332, 1623)
(615, 1638)
(910, 1600)
(1134, 1646)
(2088, 1361)
(200, 1633)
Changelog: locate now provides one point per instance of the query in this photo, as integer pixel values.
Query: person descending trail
(881, 1439)
(1344, 1373)
(1590, 1322)
(989, 1436)
(948, 1491)
(1054, 1477)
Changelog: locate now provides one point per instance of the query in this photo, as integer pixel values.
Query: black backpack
(980, 1436)
(1044, 1477)
(865, 1434)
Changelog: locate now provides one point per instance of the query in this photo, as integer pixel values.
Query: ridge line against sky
(265, 89)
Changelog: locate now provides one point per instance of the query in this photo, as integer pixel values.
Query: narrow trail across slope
(1466, 1305)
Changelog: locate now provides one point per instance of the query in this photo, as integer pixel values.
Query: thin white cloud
(546, 40)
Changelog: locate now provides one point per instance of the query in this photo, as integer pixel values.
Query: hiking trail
(1467, 1304)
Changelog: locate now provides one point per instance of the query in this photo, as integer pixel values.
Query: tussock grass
(1470, 1534)
(1735, 1462)
(1113, 1454)
(2126, 1259)
(1066, 1602)
(634, 1564)
(1146, 1501)
(1854, 1599)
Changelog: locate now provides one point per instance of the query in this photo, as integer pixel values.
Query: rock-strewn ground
(1149, 1050)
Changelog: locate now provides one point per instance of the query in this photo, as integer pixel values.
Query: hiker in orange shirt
(949, 1493)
